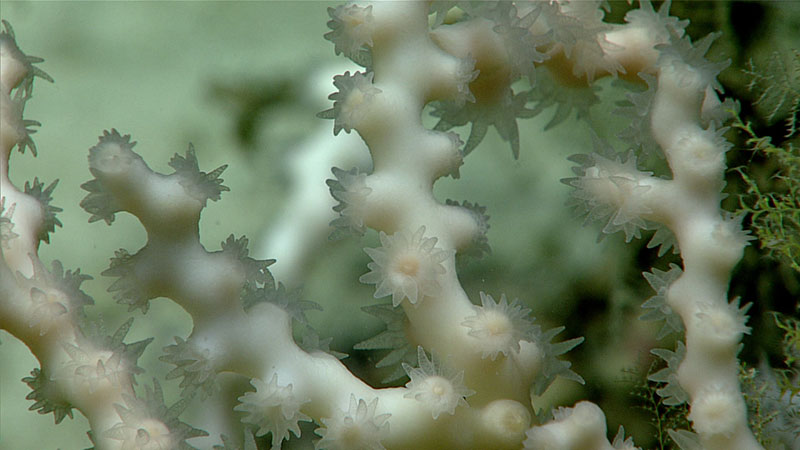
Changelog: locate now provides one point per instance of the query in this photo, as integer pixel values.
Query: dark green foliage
(773, 393)
(773, 200)
(662, 416)
(774, 203)
(777, 85)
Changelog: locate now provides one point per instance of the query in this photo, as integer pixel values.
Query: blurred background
(234, 79)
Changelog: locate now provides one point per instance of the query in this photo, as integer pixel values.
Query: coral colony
(473, 365)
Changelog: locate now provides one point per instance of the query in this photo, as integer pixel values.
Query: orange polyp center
(408, 265)
(353, 20)
(498, 324)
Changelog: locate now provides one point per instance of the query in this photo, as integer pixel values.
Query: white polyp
(357, 428)
(505, 421)
(90, 371)
(582, 427)
(407, 266)
(144, 434)
(47, 308)
(722, 327)
(273, 408)
(718, 410)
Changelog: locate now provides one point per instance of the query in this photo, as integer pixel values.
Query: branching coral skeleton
(487, 361)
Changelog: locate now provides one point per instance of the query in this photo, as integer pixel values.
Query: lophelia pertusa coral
(252, 355)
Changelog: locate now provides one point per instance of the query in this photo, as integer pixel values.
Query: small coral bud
(6, 224)
(722, 326)
(582, 427)
(351, 190)
(47, 309)
(450, 80)
(621, 443)
(439, 388)
(657, 306)
(685, 62)
(95, 370)
(506, 421)
(113, 154)
(717, 411)
(447, 157)
(351, 103)
(728, 239)
(200, 185)
(613, 188)
(17, 68)
(98, 362)
(352, 27)
(672, 393)
(146, 423)
(499, 326)
(274, 409)
(147, 434)
(700, 154)
(17, 71)
(358, 428)
(194, 365)
(45, 394)
(465, 74)
(12, 128)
